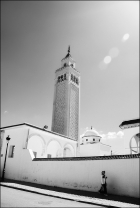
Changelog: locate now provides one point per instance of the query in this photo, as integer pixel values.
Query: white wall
(105, 149)
(18, 138)
(90, 150)
(95, 149)
(123, 174)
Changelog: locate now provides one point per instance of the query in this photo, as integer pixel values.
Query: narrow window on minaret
(72, 77)
(64, 76)
(77, 81)
(61, 78)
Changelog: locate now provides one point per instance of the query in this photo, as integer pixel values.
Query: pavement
(112, 201)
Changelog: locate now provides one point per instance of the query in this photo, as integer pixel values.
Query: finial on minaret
(69, 49)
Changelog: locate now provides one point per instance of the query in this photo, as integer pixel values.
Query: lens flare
(107, 59)
(125, 37)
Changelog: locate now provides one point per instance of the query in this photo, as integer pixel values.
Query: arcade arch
(49, 147)
(38, 145)
(135, 144)
(68, 151)
(54, 149)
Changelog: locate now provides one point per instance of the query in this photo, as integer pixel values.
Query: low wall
(82, 173)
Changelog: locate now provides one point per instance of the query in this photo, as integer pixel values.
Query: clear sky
(104, 40)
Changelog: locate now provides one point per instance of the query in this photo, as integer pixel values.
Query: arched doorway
(37, 144)
(68, 151)
(135, 144)
(54, 149)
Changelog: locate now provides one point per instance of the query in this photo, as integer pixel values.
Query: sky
(104, 41)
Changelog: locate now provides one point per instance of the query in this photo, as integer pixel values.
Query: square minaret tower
(65, 119)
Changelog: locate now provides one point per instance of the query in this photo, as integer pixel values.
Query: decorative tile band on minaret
(65, 119)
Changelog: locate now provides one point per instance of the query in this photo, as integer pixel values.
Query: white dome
(91, 136)
(91, 132)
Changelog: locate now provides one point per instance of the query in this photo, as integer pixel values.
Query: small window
(11, 151)
(86, 139)
(93, 139)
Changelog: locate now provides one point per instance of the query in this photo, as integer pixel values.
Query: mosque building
(65, 160)
(63, 140)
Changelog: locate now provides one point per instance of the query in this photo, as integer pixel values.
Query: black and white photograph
(70, 104)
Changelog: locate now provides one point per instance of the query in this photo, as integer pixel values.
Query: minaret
(65, 119)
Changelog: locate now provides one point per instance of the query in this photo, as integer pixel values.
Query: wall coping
(90, 158)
